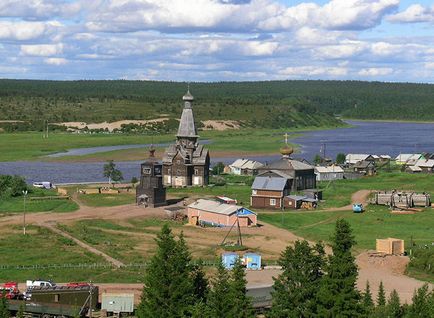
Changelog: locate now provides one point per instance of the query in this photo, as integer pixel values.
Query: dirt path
(91, 249)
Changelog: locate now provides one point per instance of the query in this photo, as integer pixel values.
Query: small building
(229, 260)
(329, 173)
(353, 158)
(219, 214)
(245, 167)
(390, 246)
(365, 167)
(413, 169)
(117, 303)
(268, 192)
(300, 202)
(408, 158)
(252, 261)
(226, 200)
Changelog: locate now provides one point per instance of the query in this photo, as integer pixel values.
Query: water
(365, 137)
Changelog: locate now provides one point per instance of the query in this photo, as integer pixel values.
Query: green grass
(16, 204)
(376, 222)
(101, 199)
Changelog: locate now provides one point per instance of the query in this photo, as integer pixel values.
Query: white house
(353, 158)
(329, 173)
(245, 167)
(408, 158)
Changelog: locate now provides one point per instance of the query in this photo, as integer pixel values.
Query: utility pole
(24, 214)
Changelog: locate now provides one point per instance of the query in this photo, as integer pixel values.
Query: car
(43, 185)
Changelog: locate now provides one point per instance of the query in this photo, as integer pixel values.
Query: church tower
(186, 163)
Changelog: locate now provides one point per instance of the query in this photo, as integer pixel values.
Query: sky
(218, 40)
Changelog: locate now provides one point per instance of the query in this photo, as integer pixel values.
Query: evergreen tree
(4, 310)
(241, 303)
(393, 308)
(295, 290)
(340, 158)
(219, 302)
(381, 297)
(422, 300)
(168, 284)
(200, 282)
(368, 303)
(338, 296)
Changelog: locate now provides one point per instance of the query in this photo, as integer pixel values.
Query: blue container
(252, 261)
(229, 259)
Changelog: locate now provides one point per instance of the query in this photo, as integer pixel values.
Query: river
(390, 138)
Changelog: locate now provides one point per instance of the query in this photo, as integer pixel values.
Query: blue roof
(269, 183)
(245, 211)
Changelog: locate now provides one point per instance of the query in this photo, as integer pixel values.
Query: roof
(354, 157)
(200, 154)
(363, 164)
(246, 164)
(219, 207)
(424, 163)
(215, 207)
(301, 198)
(385, 157)
(186, 125)
(403, 157)
(188, 96)
(287, 164)
(331, 169)
(269, 183)
(414, 168)
(277, 173)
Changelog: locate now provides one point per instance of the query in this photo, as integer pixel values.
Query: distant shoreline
(390, 121)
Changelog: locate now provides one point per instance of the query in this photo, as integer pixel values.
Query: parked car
(43, 185)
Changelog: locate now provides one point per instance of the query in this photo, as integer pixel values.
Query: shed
(252, 261)
(117, 303)
(300, 202)
(390, 246)
(219, 214)
(229, 259)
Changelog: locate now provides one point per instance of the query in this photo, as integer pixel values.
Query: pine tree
(393, 308)
(381, 297)
(422, 300)
(168, 285)
(219, 301)
(338, 296)
(4, 306)
(241, 303)
(200, 282)
(295, 290)
(368, 303)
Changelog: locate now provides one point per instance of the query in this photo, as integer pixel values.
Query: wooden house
(329, 173)
(245, 167)
(408, 159)
(365, 167)
(215, 213)
(426, 166)
(353, 158)
(268, 192)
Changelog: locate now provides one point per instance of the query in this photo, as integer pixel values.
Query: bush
(219, 181)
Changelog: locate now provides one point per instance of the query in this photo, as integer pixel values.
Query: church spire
(187, 127)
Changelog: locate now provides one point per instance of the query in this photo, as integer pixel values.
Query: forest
(268, 104)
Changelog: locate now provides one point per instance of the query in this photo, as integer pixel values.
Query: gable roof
(355, 157)
(269, 183)
(425, 163)
(287, 164)
(219, 207)
(245, 164)
(404, 157)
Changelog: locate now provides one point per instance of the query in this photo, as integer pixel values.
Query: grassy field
(16, 204)
(102, 199)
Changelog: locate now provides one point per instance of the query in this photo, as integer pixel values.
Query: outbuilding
(215, 213)
(329, 173)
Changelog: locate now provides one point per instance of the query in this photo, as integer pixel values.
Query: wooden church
(186, 163)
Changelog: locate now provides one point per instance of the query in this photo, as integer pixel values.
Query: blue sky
(218, 40)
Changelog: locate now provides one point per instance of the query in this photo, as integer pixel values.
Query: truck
(43, 185)
(10, 290)
(57, 301)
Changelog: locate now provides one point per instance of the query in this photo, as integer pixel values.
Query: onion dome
(188, 96)
(286, 151)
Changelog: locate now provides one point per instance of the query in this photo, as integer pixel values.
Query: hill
(270, 104)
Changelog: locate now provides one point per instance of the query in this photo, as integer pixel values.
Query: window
(196, 171)
(56, 298)
(272, 202)
(254, 192)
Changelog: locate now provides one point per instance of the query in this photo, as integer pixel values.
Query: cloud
(22, 31)
(414, 13)
(38, 9)
(41, 49)
(235, 16)
(304, 71)
(55, 61)
(374, 71)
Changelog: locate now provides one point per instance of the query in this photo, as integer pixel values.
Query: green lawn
(102, 199)
(376, 222)
(16, 204)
